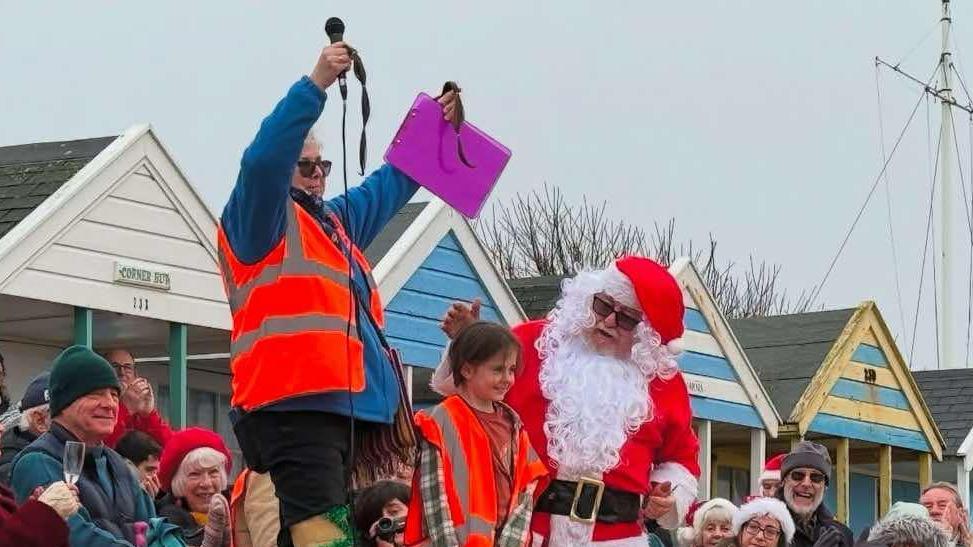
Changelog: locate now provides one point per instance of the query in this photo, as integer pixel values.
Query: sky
(756, 122)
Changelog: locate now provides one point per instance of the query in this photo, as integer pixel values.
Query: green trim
(177, 375)
(340, 515)
(83, 326)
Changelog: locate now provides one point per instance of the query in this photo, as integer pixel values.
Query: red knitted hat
(659, 297)
(772, 468)
(182, 443)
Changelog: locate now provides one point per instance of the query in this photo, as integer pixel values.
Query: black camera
(387, 528)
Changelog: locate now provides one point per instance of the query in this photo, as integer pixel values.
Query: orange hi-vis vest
(291, 313)
(467, 468)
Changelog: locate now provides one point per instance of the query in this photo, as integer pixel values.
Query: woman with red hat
(193, 472)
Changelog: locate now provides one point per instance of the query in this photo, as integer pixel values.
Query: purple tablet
(425, 149)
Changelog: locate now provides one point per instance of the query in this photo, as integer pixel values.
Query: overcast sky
(754, 121)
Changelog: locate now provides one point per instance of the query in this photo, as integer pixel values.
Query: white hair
(26, 415)
(198, 460)
(312, 138)
(573, 315)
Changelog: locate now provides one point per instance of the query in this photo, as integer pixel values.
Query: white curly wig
(572, 316)
(596, 401)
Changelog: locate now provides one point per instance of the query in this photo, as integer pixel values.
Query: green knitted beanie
(76, 372)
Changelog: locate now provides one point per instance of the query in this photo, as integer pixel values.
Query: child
(384, 499)
(475, 480)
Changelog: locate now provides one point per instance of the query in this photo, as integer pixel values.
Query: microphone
(335, 29)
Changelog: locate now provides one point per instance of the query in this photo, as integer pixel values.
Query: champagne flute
(73, 461)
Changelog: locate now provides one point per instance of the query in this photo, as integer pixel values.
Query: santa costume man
(605, 406)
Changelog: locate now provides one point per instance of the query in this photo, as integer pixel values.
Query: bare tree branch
(541, 234)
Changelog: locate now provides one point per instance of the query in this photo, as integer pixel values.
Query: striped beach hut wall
(734, 416)
(838, 378)
(425, 259)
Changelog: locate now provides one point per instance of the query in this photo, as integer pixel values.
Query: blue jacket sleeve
(255, 217)
(373, 203)
(38, 469)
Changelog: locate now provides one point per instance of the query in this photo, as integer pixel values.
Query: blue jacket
(111, 497)
(254, 221)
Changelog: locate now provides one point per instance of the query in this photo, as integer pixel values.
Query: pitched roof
(787, 350)
(949, 396)
(537, 295)
(393, 231)
(30, 173)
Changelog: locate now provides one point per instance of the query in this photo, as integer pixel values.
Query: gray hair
(201, 458)
(25, 416)
(312, 138)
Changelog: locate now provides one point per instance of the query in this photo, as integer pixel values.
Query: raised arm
(254, 217)
(376, 200)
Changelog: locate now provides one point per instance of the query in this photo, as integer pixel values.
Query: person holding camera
(380, 512)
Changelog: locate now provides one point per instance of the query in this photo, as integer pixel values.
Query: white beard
(596, 402)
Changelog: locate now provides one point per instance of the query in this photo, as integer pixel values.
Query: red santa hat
(772, 468)
(659, 297)
(181, 444)
(698, 515)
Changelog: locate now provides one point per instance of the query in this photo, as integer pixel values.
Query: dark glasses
(816, 478)
(770, 532)
(306, 166)
(604, 305)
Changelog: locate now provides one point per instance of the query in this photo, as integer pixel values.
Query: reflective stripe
(270, 274)
(296, 300)
(453, 445)
(289, 325)
(294, 263)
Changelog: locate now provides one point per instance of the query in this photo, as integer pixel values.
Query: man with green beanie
(115, 510)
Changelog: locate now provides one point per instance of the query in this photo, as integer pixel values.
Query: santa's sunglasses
(604, 305)
(306, 167)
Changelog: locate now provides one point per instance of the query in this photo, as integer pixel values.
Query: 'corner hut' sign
(131, 274)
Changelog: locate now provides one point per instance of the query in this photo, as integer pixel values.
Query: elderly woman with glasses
(762, 522)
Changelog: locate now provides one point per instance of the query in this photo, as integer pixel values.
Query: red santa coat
(33, 524)
(665, 448)
(151, 424)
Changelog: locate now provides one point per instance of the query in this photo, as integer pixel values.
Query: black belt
(589, 500)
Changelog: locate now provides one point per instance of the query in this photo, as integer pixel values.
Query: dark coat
(838, 535)
(664, 536)
(11, 443)
(33, 524)
(174, 510)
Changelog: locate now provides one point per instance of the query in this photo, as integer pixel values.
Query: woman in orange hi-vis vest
(475, 481)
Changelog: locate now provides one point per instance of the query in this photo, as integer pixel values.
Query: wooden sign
(132, 274)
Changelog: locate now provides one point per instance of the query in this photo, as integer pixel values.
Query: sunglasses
(306, 166)
(816, 478)
(604, 305)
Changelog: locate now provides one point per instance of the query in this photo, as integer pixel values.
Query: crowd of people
(572, 430)
(143, 484)
(790, 511)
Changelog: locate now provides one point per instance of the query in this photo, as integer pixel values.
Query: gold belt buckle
(582, 482)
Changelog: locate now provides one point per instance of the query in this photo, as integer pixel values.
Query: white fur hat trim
(765, 506)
